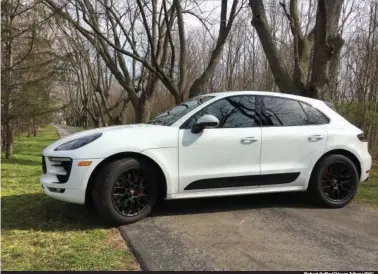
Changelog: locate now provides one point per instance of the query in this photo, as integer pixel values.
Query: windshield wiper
(185, 105)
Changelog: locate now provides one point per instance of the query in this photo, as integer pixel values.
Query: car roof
(265, 93)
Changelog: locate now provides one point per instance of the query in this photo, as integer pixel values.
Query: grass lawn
(39, 233)
(368, 191)
(73, 129)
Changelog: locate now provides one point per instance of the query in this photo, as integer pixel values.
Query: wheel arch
(350, 155)
(162, 181)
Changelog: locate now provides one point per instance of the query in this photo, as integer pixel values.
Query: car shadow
(232, 203)
(38, 212)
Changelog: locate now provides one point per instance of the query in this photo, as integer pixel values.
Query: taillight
(362, 137)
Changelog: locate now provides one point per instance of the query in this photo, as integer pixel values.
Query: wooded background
(107, 62)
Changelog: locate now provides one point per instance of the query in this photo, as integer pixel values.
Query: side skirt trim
(242, 181)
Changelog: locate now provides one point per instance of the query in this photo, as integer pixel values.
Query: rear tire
(334, 181)
(125, 191)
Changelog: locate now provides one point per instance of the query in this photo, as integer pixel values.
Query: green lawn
(73, 129)
(39, 233)
(368, 191)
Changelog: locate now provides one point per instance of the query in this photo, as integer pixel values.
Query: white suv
(219, 144)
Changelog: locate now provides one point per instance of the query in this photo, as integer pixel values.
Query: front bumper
(74, 189)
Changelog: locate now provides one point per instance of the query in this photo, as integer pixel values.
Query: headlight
(79, 142)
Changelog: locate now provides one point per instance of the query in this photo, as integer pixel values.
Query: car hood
(108, 129)
(133, 137)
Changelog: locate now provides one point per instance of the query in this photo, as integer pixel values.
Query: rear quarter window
(315, 117)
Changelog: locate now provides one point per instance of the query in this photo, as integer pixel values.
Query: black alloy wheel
(125, 190)
(334, 181)
(130, 193)
(337, 181)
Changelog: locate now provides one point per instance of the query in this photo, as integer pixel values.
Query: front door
(224, 157)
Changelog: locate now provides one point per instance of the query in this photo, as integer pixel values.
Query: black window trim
(230, 96)
(260, 101)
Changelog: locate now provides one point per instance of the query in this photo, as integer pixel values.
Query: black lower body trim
(240, 181)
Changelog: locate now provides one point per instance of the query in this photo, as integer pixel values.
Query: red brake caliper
(141, 187)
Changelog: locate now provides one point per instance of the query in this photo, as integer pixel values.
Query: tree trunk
(260, 22)
(85, 124)
(117, 120)
(3, 137)
(6, 84)
(143, 110)
(99, 122)
(200, 83)
(123, 118)
(34, 127)
(9, 140)
(327, 44)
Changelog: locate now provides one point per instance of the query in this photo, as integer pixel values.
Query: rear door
(291, 141)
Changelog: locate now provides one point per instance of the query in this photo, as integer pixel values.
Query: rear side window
(315, 117)
(282, 112)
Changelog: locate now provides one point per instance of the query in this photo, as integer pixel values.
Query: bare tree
(157, 22)
(311, 74)
(94, 81)
(27, 66)
(357, 98)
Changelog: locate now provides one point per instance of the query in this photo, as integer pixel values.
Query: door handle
(248, 140)
(315, 138)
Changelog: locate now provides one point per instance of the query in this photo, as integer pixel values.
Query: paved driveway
(259, 232)
(64, 131)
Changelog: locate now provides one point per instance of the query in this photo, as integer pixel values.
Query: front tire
(334, 181)
(125, 191)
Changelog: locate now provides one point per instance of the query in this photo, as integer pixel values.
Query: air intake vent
(44, 170)
(61, 167)
(67, 167)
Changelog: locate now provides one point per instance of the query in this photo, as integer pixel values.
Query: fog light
(56, 190)
(59, 159)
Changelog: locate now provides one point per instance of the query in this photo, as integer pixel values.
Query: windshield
(169, 117)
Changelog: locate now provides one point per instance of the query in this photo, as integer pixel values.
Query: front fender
(167, 159)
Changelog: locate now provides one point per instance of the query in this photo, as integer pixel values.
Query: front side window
(278, 111)
(232, 112)
(169, 117)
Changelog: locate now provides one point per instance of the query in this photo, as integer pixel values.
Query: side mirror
(206, 121)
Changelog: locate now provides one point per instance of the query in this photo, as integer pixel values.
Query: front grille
(44, 170)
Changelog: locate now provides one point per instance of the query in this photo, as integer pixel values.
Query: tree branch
(183, 63)
(261, 25)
